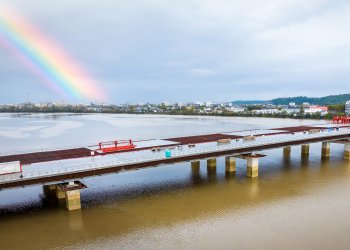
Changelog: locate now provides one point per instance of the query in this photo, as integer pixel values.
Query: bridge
(61, 170)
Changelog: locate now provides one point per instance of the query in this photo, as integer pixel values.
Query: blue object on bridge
(167, 153)
(330, 129)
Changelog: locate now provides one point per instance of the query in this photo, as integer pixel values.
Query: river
(296, 203)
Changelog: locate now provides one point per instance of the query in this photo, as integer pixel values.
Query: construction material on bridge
(167, 153)
(315, 130)
(202, 138)
(224, 141)
(249, 138)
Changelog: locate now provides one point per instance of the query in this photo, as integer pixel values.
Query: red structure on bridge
(112, 146)
(341, 119)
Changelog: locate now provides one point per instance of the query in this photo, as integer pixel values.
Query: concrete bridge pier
(230, 164)
(211, 167)
(195, 164)
(49, 190)
(68, 191)
(326, 149)
(211, 163)
(195, 167)
(347, 151)
(286, 151)
(252, 167)
(60, 194)
(73, 200)
(305, 149)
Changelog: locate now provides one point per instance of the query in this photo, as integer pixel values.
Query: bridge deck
(60, 165)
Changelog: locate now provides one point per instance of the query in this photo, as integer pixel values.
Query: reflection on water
(296, 201)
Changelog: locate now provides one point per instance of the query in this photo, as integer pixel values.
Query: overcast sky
(191, 50)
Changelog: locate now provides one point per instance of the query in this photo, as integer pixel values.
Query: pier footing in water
(70, 191)
(305, 149)
(230, 164)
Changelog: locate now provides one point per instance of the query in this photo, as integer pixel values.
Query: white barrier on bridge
(10, 167)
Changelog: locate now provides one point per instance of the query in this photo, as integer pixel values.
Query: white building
(209, 104)
(236, 109)
(313, 109)
(291, 110)
(266, 111)
(347, 107)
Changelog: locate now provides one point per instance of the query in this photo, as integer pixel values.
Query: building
(266, 111)
(292, 110)
(236, 109)
(313, 109)
(347, 107)
(209, 104)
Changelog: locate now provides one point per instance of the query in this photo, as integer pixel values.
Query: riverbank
(223, 114)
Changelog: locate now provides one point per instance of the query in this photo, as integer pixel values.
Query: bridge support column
(73, 200)
(347, 151)
(230, 164)
(50, 190)
(211, 167)
(286, 151)
(60, 194)
(195, 164)
(252, 167)
(70, 191)
(195, 167)
(211, 163)
(305, 149)
(326, 149)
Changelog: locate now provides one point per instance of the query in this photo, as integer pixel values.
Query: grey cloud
(197, 49)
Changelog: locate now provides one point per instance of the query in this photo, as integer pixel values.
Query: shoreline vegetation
(249, 111)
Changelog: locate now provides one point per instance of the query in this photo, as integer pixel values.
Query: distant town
(292, 110)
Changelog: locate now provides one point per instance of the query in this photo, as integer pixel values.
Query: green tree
(302, 109)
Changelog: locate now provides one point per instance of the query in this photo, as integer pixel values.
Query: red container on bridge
(113, 146)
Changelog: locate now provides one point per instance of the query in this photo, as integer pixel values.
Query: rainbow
(46, 59)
